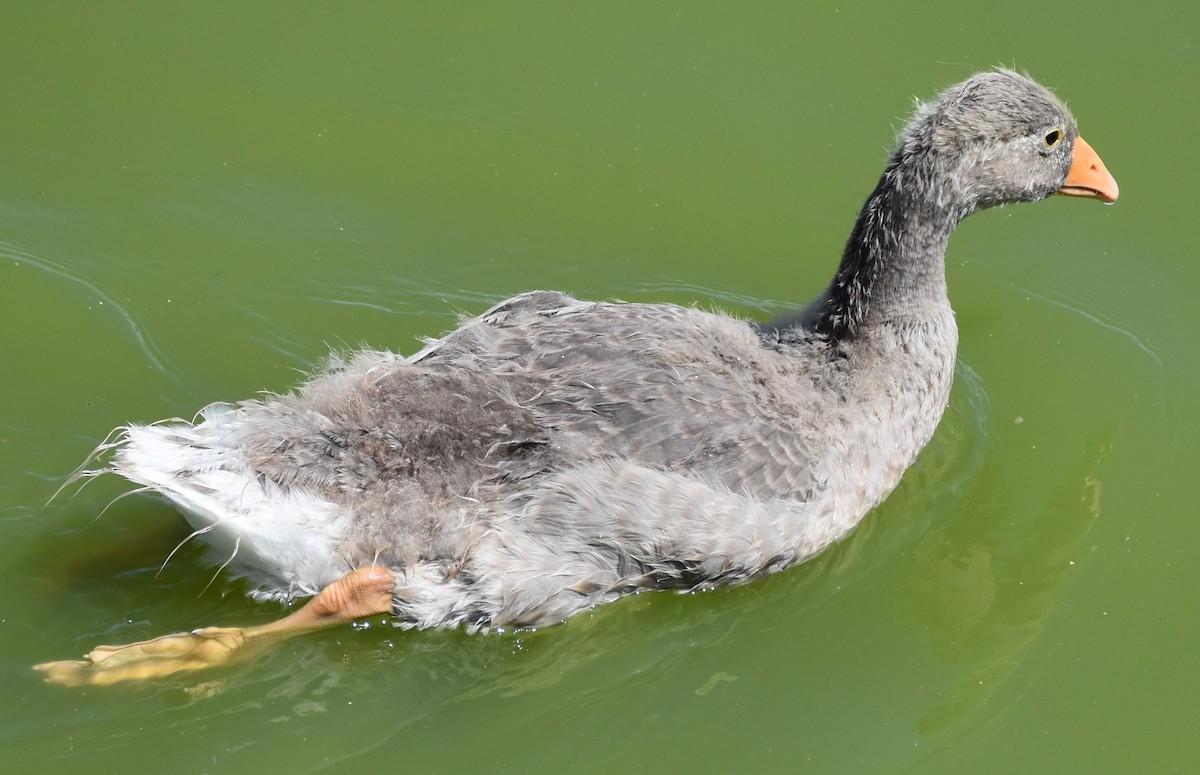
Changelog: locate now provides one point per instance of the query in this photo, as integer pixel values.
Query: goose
(553, 454)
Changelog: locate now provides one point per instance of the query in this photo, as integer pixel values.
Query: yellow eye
(1053, 138)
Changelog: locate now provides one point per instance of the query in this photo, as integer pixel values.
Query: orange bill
(1088, 176)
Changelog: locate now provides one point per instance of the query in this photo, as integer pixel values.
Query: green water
(196, 205)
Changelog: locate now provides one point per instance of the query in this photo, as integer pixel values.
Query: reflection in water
(984, 585)
(984, 610)
(378, 687)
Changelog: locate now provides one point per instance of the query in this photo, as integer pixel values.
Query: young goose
(554, 454)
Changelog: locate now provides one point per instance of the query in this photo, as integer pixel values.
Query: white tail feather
(284, 539)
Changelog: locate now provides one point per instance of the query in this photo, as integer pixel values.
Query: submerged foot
(365, 592)
(163, 656)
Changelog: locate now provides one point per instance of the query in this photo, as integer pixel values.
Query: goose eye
(1053, 138)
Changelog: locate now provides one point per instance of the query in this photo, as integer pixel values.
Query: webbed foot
(163, 656)
(365, 592)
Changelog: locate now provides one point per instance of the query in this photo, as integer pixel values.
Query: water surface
(198, 205)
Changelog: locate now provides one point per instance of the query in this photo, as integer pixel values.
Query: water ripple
(1076, 307)
(60, 269)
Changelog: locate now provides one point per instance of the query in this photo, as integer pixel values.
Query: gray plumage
(554, 454)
